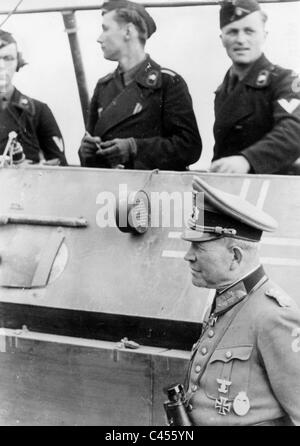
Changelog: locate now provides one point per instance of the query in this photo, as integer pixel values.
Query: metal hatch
(27, 257)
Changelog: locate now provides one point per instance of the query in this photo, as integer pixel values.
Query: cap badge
(195, 214)
(238, 12)
(262, 78)
(241, 404)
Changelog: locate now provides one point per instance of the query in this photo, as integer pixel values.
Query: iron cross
(222, 405)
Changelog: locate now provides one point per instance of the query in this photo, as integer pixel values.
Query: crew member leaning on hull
(257, 107)
(141, 116)
(38, 134)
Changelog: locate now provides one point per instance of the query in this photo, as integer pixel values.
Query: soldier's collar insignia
(152, 77)
(228, 298)
(263, 78)
(23, 102)
(236, 292)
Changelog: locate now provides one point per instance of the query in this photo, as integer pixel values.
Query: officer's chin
(197, 282)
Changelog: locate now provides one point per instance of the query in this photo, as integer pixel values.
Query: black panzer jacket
(35, 126)
(155, 109)
(260, 118)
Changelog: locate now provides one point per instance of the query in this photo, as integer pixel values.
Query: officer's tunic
(245, 368)
(36, 127)
(155, 109)
(259, 118)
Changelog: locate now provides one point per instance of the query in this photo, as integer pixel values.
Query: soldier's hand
(52, 162)
(231, 164)
(118, 150)
(89, 145)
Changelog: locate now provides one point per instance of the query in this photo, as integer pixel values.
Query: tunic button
(228, 355)
(197, 368)
(211, 333)
(204, 351)
(194, 388)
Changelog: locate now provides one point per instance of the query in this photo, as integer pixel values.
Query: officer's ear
(237, 257)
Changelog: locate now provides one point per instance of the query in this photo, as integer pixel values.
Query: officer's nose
(2, 65)
(241, 37)
(100, 39)
(190, 255)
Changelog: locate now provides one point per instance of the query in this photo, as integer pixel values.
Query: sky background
(187, 41)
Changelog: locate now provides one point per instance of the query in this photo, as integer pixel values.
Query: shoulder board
(167, 71)
(283, 299)
(278, 70)
(106, 78)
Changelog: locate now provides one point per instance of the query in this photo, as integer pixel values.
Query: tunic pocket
(228, 371)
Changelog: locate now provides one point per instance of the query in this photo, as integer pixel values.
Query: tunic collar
(237, 291)
(260, 66)
(129, 75)
(149, 74)
(22, 102)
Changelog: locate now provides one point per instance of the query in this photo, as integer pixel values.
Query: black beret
(111, 5)
(6, 38)
(232, 10)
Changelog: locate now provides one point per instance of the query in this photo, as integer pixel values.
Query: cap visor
(191, 235)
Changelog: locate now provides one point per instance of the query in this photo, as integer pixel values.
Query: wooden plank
(63, 384)
(55, 384)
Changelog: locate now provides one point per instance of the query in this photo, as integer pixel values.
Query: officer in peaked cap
(245, 367)
(257, 107)
(38, 134)
(141, 115)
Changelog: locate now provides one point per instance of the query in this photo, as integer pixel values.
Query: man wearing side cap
(244, 369)
(141, 115)
(38, 134)
(257, 107)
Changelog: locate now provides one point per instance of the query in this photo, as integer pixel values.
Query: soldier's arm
(180, 142)
(281, 146)
(93, 111)
(279, 346)
(49, 135)
(88, 159)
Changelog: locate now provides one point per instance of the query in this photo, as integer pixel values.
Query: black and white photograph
(149, 215)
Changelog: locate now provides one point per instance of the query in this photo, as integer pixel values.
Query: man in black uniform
(141, 115)
(257, 112)
(37, 131)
